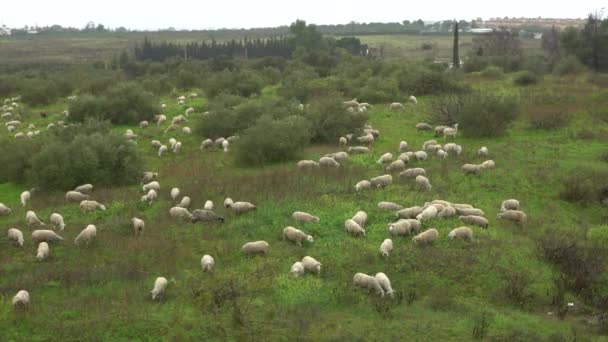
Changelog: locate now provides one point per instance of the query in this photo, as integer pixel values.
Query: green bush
(568, 65)
(379, 90)
(426, 80)
(270, 141)
(585, 186)
(525, 78)
(330, 120)
(238, 82)
(493, 72)
(548, 119)
(39, 92)
(15, 158)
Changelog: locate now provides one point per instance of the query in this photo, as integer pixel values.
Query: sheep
(177, 147)
(412, 173)
(363, 185)
(386, 247)
(423, 183)
(396, 106)
(162, 150)
(10, 129)
(154, 185)
(148, 177)
(31, 219)
(206, 144)
(189, 111)
(470, 212)
(13, 123)
(488, 164)
(396, 166)
(516, 216)
(57, 221)
(358, 150)
(218, 142)
(4, 210)
(208, 205)
(307, 164)
(25, 197)
(442, 154)
(411, 212)
(160, 284)
(338, 156)
(404, 158)
(175, 193)
(482, 152)
(353, 228)
(510, 204)
(144, 124)
(21, 300)
(301, 216)
(156, 144)
(361, 218)
(45, 235)
(256, 247)
(381, 181)
(420, 155)
(297, 269)
(228, 202)
(149, 197)
(311, 265)
(464, 233)
(342, 142)
(186, 130)
(461, 206)
(413, 99)
(423, 126)
(129, 135)
(389, 206)
(427, 237)
(43, 251)
(16, 235)
(207, 263)
(471, 169)
(427, 214)
(205, 216)
(451, 147)
(366, 139)
(84, 189)
(30, 135)
(426, 144)
(448, 211)
(88, 206)
(385, 283)
(385, 158)
(450, 132)
(401, 227)
(87, 235)
(352, 103)
(138, 226)
(328, 162)
(475, 220)
(160, 119)
(368, 282)
(179, 212)
(178, 119)
(242, 207)
(225, 145)
(415, 225)
(296, 235)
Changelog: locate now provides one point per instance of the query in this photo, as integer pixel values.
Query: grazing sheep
(361, 218)
(148, 177)
(427, 144)
(87, 235)
(396, 166)
(411, 212)
(381, 181)
(450, 132)
(353, 228)
(311, 265)
(88, 206)
(461, 206)
(242, 207)
(451, 147)
(362, 185)
(301, 216)
(208, 205)
(403, 147)
(297, 269)
(160, 284)
(427, 237)
(138, 226)
(510, 204)
(516, 216)
(412, 173)
(386, 247)
(179, 212)
(427, 214)
(358, 150)
(385, 283)
(228, 202)
(471, 169)
(401, 227)
(129, 135)
(475, 220)
(162, 150)
(85, 188)
(448, 211)
(307, 164)
(207, 263)
(32, 219)
(328, 162)
(177, 147)
(204, 215)
(16, 235)
(423, 126)
(352, 103)
(154, 185)
(75, 196)
(389, 206)
(186, 130)
(225, 145)
(442, 154)
(43, 251)
(149, 197)
(404, 157)
(296, 235)
(464, 233)
(338, 156)
(439, 130)
(160, 119)
(420, 155)
(413, 99)
(488, 164)
(470, 212)
(45, 235)
(156, 144)
(342, 141)
(415, 225)
(25, 197)
(57, 221)
(396, 106)
(256, 247)
(4, 210)
(385, 158)
(423, 183)
(482, 152)
(178, 119)
(368, 282)
(189, 111)
(207, 143)
(21, 300)
(175, 193)
(144, 124)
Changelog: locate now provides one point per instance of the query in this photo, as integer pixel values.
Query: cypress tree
(455, 56)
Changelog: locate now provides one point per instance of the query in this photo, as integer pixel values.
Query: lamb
(385, 283)
(427, 237)
(420, 155)
(361, 218)
(516, 216)
(228, 202)
(482, 152)
(162, 150)
(144, 124)
(148, 177)
(301, 216)
(450, 132)
(353, 228)
(401, 227)
(87, 235)
(396, 106)
(381, 181)
(85, 188)
(470, 212)
(368, 282)
(4, 210)
(177, 147)
(175, 193)
(186, 130)
(366, 139)
(386, 247)
(32, 219)
(179, 212)
(362, 185)
(43, 251)
(256, 247)
(358, 150)
(307, 164)
(242, 207)
(488, 164)
(423, 183)
(403, 147)
(297, 269)
(21, 300)
(442, 154)
(149, 197)
(464, 233)
(57, 221)
(25, 197)
(45, 235)
(413, 173)
(16, 235)
(296, 235)
(427, 214)
(160, 284)
(389, 206)
(205, 216)
(423, 126)
(510, 204)
(219, 141)
(208, 205)
(138, 226)
(154, 185)
(448, 211)
(172, 143)
(328, 162)
(88, 206)
(475, 220)
(342, 141)
(311, 265)
(411, 212)
(452, 147)
(207, 263)
(413, 99)
(473, 169)
(385, 158)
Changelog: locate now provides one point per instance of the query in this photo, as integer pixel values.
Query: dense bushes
(525, 78)
(548, 119)
(493, 72)
(43, 92)
(238, 82)
(329, 120)
(568, 65)
(585, 186)
(125, 103)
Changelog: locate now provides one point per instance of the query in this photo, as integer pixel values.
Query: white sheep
(342, 141)
(389, 206)
(43, 251)
(156, 144)
(84, 189)
(411, 212)
(358, 149)
(396, 166)
(413, 99)
(175, 193)
(154, 185)
(57, 221)
(25, 197)
(353, 228)
(385, 158)
(404, 157)
(386, 247)
(186, 130)
(162, 150)
(228, 202)
(311, 265)
(179, 212)
(475, 220)
(448, 211)
(307, 164)
(207, 263)
(450, 132)
(381, 181)
(87, 235)
(420, 155)
(510, 204)
(396, 106)
(470, 212)
(423, 183)
(296, 235)
(45, 235)
(368, 282)
(189, 111)
(177, 147)
(219, 141)
(208, 205)
(328, 162)
(427, 237)
(423, 126)
(160, 284)
(516, 216)
(207, 143)
(242, 207)
(412, 173)
(471, 169)
(427, 214)
(427, 144)
(361, 218)
(256, 247)
(32, 219)
(138, 226)
(482, 152)
(385, 283)
(488, 164)
(452, 147)
(21, 300)
(442, 154)
(297, 269)
(144, 124)
(401, 227)
(16, 235)
(362, 185)
(301, 216)
(88, 206)
(225, 145)
(149, 197)
(4, 210)
(403, 147)
(160, 119)
(338, 156)
(464, 233)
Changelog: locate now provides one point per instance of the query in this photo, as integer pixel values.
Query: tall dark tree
(595, 37)
(550, 43)
(455, 55)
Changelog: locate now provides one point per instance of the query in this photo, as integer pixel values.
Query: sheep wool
(185, 202)
(45, 235)
(88, 206)
(510, 204)
(401, 227)
(57, 221)
(207, 263)
(385, 283)
(16, 235)
(138, 226)
(311, 265)
(363, 185)
(413, 173)
(301, 216)
(328, 162)
(4, 210)
(368, 282)
(396, 166)
(75, 196)
(389, 206)
(85, 188)
(463, 233)
(43, 251)
(427, 237)
(361, 218)
(205, 216)
(228, 202)
(87, 235)
(296, 235)
(516, 216)
(208, 205)
(154, 185)
(160, 284)
(471, 212)
(475, 220)
(21, 300)
(174, 193)
(471, 169)
(25, 197)
(307, 164)
(297, 269)
(256, 247)
(242, 207)
(411, 212)
(423, 183)
(386, 247)
(385, 158)
(488, 164)
(381, 181)
(179, 212)
(353, 228)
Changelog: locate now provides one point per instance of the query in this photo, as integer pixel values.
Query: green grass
(102, 292)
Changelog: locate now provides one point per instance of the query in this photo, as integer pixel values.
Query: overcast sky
(202, 14)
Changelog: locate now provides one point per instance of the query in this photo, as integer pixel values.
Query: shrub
(238, 82)
(38, 92)
(516, 287)
(270, 141)
(548, 119)
(15, 158)
(427, 46)
(525, 78)
(379, 90)
(493, 72)
(330, 120)
(568, 65)
(585, 186)
(481, 324)
(425, 80)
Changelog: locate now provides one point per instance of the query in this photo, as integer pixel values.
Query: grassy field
(444, 292)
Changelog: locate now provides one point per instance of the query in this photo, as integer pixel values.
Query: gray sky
(192, 14)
